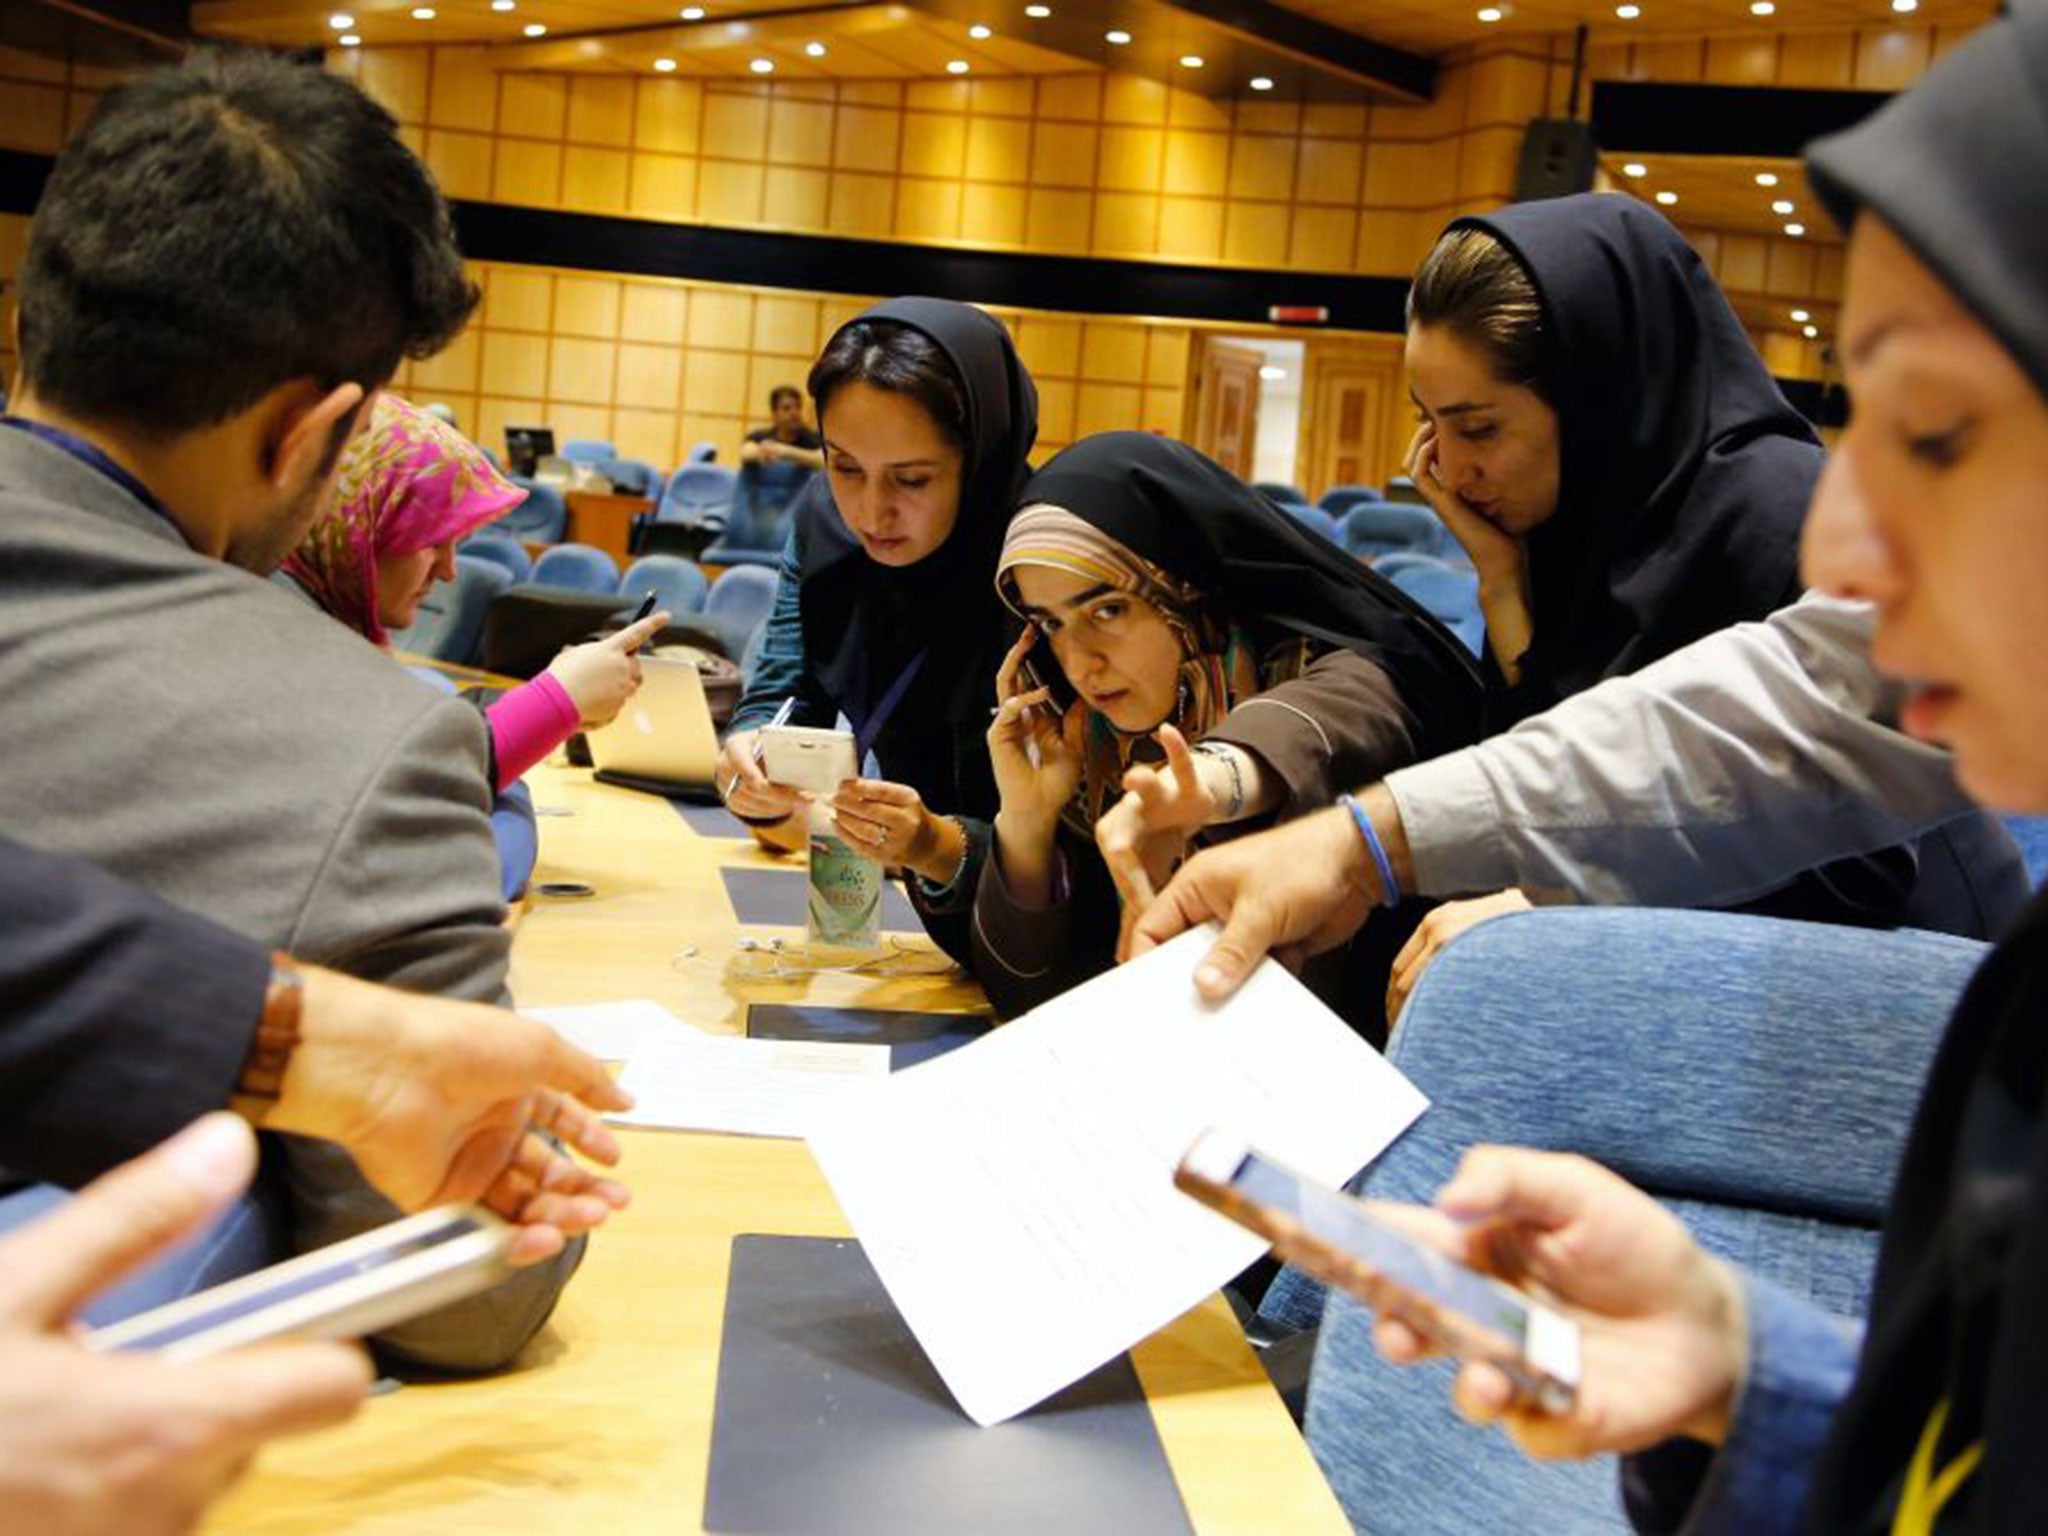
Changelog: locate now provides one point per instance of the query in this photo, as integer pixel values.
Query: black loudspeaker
(1557, 159)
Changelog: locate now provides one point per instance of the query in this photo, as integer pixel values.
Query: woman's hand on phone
(1663, 1326)
(1034, 749)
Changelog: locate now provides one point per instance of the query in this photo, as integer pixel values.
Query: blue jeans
(1758, 1076)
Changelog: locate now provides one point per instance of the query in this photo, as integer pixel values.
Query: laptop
(663, 741)
(525, 447)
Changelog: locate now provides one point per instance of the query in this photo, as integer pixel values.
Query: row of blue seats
(1339, 499)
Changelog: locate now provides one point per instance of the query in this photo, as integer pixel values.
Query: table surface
(605, 1425)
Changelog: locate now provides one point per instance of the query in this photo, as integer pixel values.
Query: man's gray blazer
(192, 729)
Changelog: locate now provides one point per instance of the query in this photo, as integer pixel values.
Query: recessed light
(978, 32)
(1635, 169)
(1270, 372)
(692, 13)
(1038, 12)
(1905, 7)
(1262, 82)
(1783, 205)
(504, 5)
(1800, 317)
(1192, 61)
(664, 66)
(1667, 198)
(956, 66)
(535, 29)
(1811, 332)
(1762, 8)
(1490, 14)
(1628, 12)
(762, 66)
(1118, 37)
(815, 50)
(1795, 230)
(341, 21)
(1767, 178)
(423, 13)
(350, 40)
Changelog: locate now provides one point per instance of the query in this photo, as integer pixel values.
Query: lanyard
(867, 730)
(1926, 1491)
(93, 457)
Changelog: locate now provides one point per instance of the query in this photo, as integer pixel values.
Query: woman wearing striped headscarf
(1193, 664)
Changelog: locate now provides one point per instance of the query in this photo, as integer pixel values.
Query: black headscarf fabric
(1195, 520)
(1957, 167)
(1685, 474)
(865, 623)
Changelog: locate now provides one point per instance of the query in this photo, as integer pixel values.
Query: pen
(782, 714)
(646, 607)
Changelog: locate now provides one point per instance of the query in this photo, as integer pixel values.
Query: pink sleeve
(528, 723)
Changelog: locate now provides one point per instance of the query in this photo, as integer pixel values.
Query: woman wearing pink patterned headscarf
(409, 488)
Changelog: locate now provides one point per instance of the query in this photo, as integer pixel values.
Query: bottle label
(845, 906)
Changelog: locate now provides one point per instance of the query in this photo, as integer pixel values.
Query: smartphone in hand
(1328, 1234)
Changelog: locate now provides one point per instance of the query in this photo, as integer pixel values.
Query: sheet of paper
(703, 1082)
(609, 1031)
(1017, 1198)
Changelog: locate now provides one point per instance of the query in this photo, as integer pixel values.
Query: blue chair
(1377, 528)
(738, 605)
(1315, 519)
(681, 585)
(757, 523)
(499, 550)
(703, 451)
(450, 623)
(631, 477)
(1274, 491)
(1451, 595)
(589, 450)
(1339, 499)
(697, 495)
(542, 517)
(577, 567)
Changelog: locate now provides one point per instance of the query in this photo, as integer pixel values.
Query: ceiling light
(815, 50)
(1767, 178)
(423, 13)
(1667, 198)
(956, 66)
(1191, 61)
(1269, 372)
(350, 40)
(1628, 12)
(1038, 12)
(665, 66)
(1119, 38)
(1800, 317)
(978, 32)
(692, 13)
(1795, 230)
(762, 66)
(1905, 7)
(1782, 206)
(341, 21)
(1262, 82)
(1761, 8)
(1635, 169)
(504, 5)
(1811, 333)
(535, 29)
(1491, 13)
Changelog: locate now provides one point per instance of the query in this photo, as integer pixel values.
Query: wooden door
(1354, 404)
(1227, 405)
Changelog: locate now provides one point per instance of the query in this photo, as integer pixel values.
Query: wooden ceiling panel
(1436, 26)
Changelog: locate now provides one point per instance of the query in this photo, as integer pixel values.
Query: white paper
(609, 1031)
(747, 1087)
(1016, 1196)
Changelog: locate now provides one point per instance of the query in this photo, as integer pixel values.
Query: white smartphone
(1336, 1239)
(807, 757)
(343, 1291)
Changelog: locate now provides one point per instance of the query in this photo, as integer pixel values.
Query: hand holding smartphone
(344, 1291)
(807, 757)
(1335, 1238)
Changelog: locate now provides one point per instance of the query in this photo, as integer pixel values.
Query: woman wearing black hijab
(1171, 610)
(1600, 434)
(883, 612)
(1758, 1415)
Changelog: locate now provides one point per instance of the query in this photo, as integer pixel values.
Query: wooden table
(604, 520)
(605, 1427)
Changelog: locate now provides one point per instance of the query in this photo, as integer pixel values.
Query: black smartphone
(1040, 670)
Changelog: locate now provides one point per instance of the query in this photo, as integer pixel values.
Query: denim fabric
(1756, 1075)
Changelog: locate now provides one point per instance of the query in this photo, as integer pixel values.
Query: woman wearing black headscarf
(1600, 434)
(1173, 612)
(1753, 1407)
(883, 612)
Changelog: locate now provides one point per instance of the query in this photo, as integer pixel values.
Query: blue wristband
(1390, 888)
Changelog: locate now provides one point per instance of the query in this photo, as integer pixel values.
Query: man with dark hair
(776, 462)
(231, 257)
(785, 440)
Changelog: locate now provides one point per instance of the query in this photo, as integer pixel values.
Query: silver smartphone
(807, 757)
(343, 1291)
(1336, 1239)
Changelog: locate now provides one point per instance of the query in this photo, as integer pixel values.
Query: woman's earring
(1180, 704)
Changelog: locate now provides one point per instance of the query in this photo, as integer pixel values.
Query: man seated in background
(230, 259)
(775, 463)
